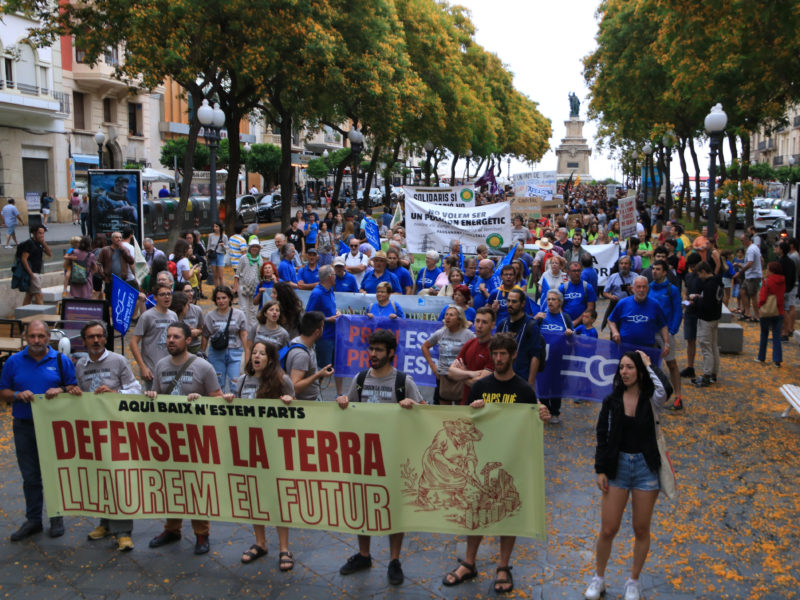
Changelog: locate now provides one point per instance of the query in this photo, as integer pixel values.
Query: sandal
(285, 561)
(509, 581)
(456, 579)
(255, 552)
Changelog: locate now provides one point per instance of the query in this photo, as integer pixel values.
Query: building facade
(780, 147)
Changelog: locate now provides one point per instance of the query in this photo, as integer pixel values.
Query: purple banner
(582, 367)
(352, 355)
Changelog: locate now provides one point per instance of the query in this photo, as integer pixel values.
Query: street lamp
(357, 145)
(212, 120)
(325, 155)
(715, 123)
(469, 158)
(100, 138)
(667, 140)
(429, 151)
(648, 151)
(247, 148)
(635, 156)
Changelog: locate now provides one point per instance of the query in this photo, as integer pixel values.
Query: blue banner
(352, 355)
(373, 234)
(582, 367)
(123, 303)
(343, 248)
(506, 260)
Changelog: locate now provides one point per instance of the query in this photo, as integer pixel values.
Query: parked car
(764, 215)
(269, 208)
(375, 196)
(247, 208)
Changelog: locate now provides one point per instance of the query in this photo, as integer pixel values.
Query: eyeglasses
(164, 294)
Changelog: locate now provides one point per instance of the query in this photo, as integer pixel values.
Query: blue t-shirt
(499, 294)
(554, 323)
(308, 275)
(638, 322)
(267, 295)
(581, 330)
(576, 298)
(286, 271)
(469, 313)
(491, 284)
(426, 278)
(311, 230)
(529, 343)
(668, 298)
(403, 276)
(324, 301)
(346, 283)
(384, 311)
(590, 276)
(371, 281)
(22, 372)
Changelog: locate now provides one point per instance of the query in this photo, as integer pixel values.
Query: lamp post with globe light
(648, 152)
(715, 123)
(357, 145)
(429, 152)
(212, 120)
(635, 157)
(247, 148)
(668, 141)
(469, 158)
(100, 138)
(325, 155)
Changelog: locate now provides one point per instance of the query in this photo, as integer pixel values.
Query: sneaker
(633, 589)
(395, 572)
(98, 533)
(56, 527)
(555, 420)
(124, 543)
(27, 529)
(758, 360)
(201, 545)
(7, 247)
(688, 372)
(713, 378)
(596, 589)
(356, 563)
(164, 538)
(676, 404)
(777, 364)
(703, 381)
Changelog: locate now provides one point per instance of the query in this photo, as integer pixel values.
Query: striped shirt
(237, 246)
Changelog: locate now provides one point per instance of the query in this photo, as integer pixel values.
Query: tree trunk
(453, 169)
(734, 170)
(232, 182)
(387, 184)
(188, 172)
(371, 172)
(437, 158)
(745, 168)
(478, 168)
(685, 174)
(338, 176)
(286, 171)
(723, 171)
(696, 163)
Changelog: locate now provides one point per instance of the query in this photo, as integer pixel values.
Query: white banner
(626, 213)
(604, 255)
(460, 195)
(539, 184)
(432, 226)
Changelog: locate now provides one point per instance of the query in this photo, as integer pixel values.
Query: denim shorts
(634, 474)
(219, 261)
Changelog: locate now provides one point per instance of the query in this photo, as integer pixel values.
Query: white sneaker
(633, 590)
(596, 589)
(555, 420)
(7, 247)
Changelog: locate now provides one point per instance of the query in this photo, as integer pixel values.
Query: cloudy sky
(542, 43)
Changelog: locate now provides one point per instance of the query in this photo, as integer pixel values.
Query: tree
(175, 150)
(264, 159)
(317, 169)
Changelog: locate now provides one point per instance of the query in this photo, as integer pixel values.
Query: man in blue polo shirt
(395, 268)
(379, 274)
(286, 270)
(638, 318)
(485, 283)
(322, 299)
(308, 276)
(38, 369)
(579, 296)
(345, 282)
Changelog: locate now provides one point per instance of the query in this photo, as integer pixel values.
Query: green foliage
(176, 147)
(264, 159)
(317, 168)
(762, 171)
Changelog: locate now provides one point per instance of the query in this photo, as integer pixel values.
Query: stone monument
(573, 152)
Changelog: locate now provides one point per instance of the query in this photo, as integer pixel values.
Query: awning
(86, 159)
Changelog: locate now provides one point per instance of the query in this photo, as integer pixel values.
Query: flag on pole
(398, 216)
(123, 303)
(506, 259)
(343, 248)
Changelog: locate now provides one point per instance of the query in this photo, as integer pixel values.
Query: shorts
(689, 327)
(219, 260)
(36, 284)
(11, 229)
(751, 286)
(671, 354)
(727, 283)
(789, 300)
(634, 474)
(45, 211)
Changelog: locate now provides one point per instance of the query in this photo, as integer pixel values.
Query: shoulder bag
(219, 341)
(666, 472)
(770, 307)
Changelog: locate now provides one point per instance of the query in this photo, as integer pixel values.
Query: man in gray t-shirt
(195, 379)
(381, 385)
(151, 333)
(301, 362)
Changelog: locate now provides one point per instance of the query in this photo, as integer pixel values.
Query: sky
(543, 43)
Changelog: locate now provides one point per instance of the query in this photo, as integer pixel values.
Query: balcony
(99, 79)
(27, 105)
(777, 161)
(762, 145)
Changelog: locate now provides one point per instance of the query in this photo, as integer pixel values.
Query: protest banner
(604, 256)
(370, 469)
(582, 367)
(426, 308)
(540, 184)
(535, 207)
(460, 195)
(352, 343)
(626, 213)
(123, 303)
(373, 238)
(431, 227)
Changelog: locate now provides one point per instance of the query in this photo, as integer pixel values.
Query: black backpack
(399, 384)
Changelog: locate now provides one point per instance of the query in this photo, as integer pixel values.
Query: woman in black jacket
(627, 462)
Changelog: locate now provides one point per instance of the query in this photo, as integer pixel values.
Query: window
(135, 119)
(9, 65)
(44, 80)
(108, 110)
(80, 55)
(79, 116)
(112, 57)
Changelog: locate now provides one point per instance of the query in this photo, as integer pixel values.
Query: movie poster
(115, 201)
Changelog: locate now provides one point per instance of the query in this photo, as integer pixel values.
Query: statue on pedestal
(574, 105)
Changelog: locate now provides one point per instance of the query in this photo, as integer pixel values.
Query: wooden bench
(792, 395)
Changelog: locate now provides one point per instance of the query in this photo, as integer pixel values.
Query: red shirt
(475, 356)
